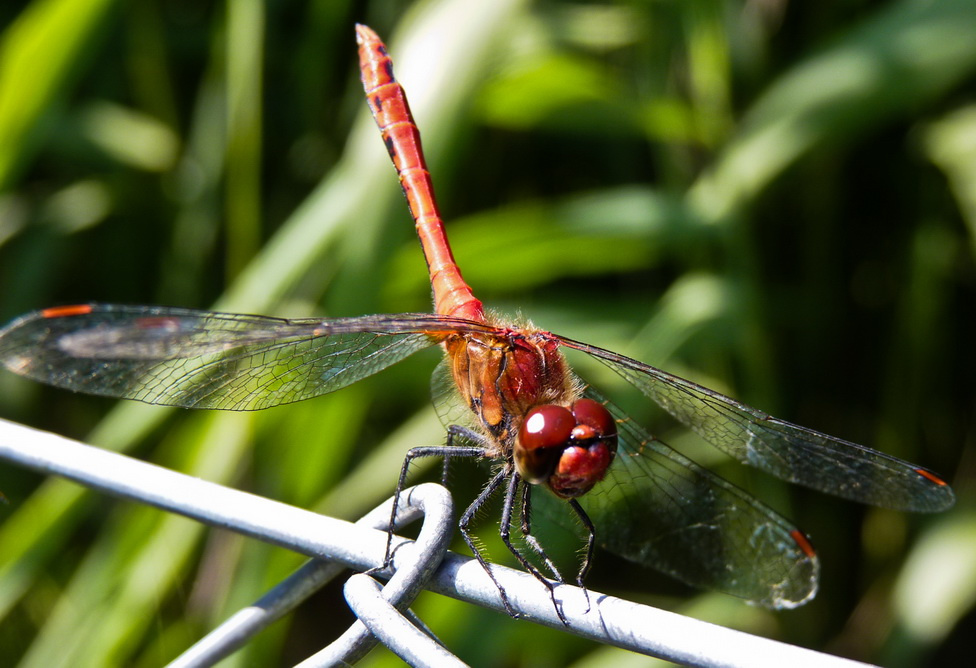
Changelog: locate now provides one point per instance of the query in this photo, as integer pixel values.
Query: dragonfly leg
(445, 451)
(506, 524)
(451, 450)
(531, 540)
(590, 545)
(464, 526)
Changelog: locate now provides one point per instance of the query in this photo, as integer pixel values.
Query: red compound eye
(589, 453)
(568, 449)
(546, 427)
(545, 431)
(594, 414)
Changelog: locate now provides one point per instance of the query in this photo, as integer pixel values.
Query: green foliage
(773, 199)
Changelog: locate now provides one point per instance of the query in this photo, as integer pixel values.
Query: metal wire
(413, 566)
(410, 574)
(396, 631)
(238, 629)
(598, 617)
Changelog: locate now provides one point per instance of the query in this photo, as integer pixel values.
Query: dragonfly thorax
(502, 376)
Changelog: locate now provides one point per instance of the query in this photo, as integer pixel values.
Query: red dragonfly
(524, 407)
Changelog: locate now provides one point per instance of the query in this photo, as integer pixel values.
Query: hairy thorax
(502, 376)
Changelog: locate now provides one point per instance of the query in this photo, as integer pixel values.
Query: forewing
(200, 359)
(788, 451)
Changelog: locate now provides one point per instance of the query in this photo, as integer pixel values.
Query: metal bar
(600, 617)
(413, 564)
(243, 625)
(433, 502)
(396, 632)
(270, 521)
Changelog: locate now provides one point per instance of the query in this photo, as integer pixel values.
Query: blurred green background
(775, 199)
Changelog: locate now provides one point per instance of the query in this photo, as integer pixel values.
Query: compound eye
(592, 447)
(594, 414)
(546, 427)
(544, 434)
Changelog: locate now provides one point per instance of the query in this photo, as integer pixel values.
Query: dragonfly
(506, 394)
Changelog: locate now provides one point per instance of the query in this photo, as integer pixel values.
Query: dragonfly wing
(451, 409)
(200, 359)
(660, 509)
(794, 453)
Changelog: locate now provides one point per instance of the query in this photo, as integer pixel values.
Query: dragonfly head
(568, 449)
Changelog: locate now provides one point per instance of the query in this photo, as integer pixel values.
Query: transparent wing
(201, 359)
(660, 509)
(450, 408)
(788, 451)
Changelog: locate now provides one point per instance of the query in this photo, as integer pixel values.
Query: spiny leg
(590, 545)
(445, 451)
(506, 524)
(465, 522)
(532, 541)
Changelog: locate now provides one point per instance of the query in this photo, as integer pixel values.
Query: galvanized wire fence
(383, 612)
